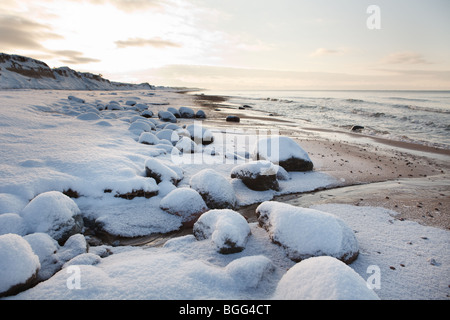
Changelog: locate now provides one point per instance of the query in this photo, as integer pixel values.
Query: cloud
(21, 33)
(130, 5)
(140, 42)
(405, 58)
(72, 57)
(324, 52)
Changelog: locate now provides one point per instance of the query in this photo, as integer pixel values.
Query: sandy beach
(408, 178)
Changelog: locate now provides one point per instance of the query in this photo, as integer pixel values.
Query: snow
(18, 262)
(278, 148)
(307, 232)
(184, 202)
(45, 148)
(215, 189)
(227, 229)
(323, 278)
(53, 213)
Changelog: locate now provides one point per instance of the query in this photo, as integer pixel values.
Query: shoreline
(410, 179)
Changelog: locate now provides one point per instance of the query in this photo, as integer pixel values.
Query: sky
(239, 45)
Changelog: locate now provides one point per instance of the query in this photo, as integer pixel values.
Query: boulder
(199, 134)
(12, 223)
(148, 138)
(227, 229)
(147, 114)
(186, 145)
(186, 112)
(257, 175)
(184, 202)
(233, 119)
(215, 189)
(283, 151)
(45, 247)
(169, 135)
(53, 213)
(322, 278)
(357, 128)
(200, 114)
(138, 127)
(167, 116)
(174, 111)
(19, 265)
(306, 233)
(160, 172)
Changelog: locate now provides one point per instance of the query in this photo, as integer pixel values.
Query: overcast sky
(245, 44)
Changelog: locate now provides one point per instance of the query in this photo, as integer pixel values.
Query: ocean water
(421, 117)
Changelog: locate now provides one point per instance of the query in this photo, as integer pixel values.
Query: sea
(421, 117)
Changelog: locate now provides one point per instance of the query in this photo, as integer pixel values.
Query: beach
(86, 148)
(411, 179)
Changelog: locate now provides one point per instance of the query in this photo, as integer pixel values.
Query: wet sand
(410, 179)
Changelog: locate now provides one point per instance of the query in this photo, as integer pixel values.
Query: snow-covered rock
(283, 151)
(257, 175)
(186, 145)
(214, 188)
(199, 134)
(11, 203)
(227, 229)
(45, 247)
(306, 233)
(147, 114)
(169, 135)
(12, 223)
(184, 202)
(157, 170)
(249, 272)
(53, 213)
(19, 265)
(187, 112)
(167, 116)
(138, 127)
(174, 111)
(323, 278)
(148, 138)
(200, 114)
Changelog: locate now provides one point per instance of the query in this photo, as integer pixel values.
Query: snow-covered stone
(186, 112)
(90, 116)
(200, 114)
(227, 229)
(11, 203)
(167, 116)
(45, 247)
(53, 213)
(138, 127)
(323, 278)
(148, 138)
(157, 170)
(19, 265)
(174, 111)
(147, 114)
(199, 134)
(214, 188)
(76, 99)
(12, 223)
(249, 272)
(283, 151)
(186, 145)
(257, 175)
(305, 233)
(184, 202)
(73, 247)
(169, 135)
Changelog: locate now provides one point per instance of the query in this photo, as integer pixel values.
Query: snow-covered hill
(19, 72)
